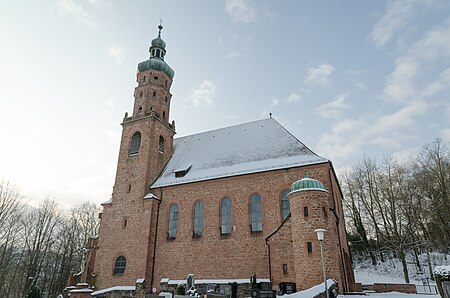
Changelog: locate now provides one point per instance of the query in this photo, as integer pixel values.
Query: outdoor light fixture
(320, 235)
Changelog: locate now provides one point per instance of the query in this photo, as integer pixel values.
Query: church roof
(252, 147)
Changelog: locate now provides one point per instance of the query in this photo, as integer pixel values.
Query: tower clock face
(138, 101)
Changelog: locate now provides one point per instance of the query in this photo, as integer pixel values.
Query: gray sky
(348, 78)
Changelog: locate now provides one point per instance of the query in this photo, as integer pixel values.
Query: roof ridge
(226, 127)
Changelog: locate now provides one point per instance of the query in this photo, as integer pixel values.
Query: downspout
(337, 228)
(270, 264)
(154, 242)
(268, 245)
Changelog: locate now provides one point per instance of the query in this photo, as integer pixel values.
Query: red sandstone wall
(215, 257)
(281, 253)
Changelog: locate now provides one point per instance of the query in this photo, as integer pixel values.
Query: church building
(223, 205)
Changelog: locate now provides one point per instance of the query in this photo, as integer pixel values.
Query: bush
(441, 273)
(34, 292)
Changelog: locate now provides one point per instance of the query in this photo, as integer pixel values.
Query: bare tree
(11, 211)
(432, 173)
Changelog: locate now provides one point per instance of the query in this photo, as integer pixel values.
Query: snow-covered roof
(107, 202)
(151, 195)
(212, 281)
(115, 288)
(251, 147)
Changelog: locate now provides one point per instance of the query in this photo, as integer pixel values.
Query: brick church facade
(223, 205)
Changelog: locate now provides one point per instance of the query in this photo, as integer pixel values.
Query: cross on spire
(160, 28)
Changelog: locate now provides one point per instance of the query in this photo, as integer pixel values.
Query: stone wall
(387, 287)
(243, 253)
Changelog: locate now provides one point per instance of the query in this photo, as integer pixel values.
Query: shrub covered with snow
(441, 273)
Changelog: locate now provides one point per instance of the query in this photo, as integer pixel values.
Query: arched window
(157, 53)
(173, 221)
(255, 213)
(285, 206)
(225, 216)
(198, 219)
(161, 144)
(164, 114)
(135, 143)
(139, 110)
(119, 265)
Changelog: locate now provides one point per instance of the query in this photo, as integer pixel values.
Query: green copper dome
(158, 42)
(307, 184)
(156, 61)
(156, 64)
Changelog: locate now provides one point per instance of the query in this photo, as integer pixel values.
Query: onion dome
(157, 53)
(158, 42)
(307, 184)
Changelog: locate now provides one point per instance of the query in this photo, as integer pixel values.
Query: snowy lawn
(390, 295)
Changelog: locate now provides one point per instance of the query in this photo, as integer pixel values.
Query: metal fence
(427, 289)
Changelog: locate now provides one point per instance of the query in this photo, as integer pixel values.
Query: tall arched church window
(135, 143)
(225, 217)
(119, 265)
(255, 213)
(161, 144)
(173, 222)
(198, 219)
(285, 206)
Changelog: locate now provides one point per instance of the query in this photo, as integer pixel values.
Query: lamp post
(320, 235)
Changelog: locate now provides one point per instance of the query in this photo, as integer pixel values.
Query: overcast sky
(347, 78)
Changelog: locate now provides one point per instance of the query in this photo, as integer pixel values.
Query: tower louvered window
(255, 213)
(173, 222)
(285, 206)
(135, 143)
(225, 215)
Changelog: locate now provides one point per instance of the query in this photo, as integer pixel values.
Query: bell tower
(128, 220)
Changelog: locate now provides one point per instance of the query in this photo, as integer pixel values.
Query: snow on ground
(389, 295)
(391, 270)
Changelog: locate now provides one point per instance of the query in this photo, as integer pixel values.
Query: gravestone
(288, 287)
(190, 282)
